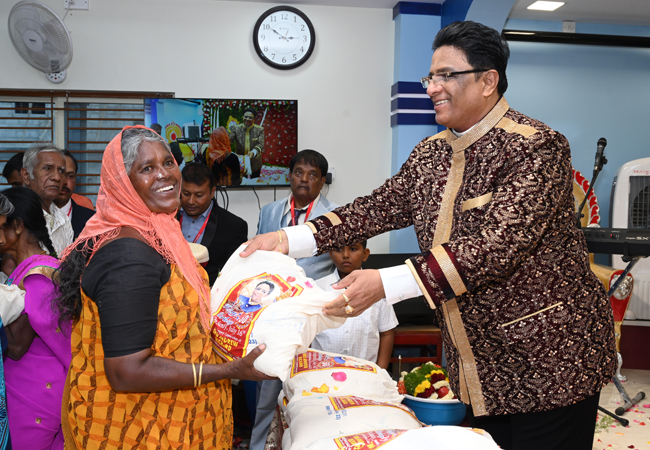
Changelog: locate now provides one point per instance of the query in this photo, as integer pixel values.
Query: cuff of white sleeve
(301, 241)
(399, 284)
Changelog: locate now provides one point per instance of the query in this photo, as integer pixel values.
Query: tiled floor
(612, 435)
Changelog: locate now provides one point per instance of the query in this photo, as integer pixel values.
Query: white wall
(203, 49)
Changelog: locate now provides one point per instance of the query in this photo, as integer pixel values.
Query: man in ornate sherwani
(527, 327)
(249, 142)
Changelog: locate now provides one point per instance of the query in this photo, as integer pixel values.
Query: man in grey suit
(307, 171)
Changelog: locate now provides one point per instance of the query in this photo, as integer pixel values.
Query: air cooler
(630, 208)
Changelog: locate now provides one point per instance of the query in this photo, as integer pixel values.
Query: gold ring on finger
(347, 300)
(349, 310)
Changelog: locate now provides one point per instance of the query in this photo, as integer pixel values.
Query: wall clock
(284, 37)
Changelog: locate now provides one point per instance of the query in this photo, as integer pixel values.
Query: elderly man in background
(307, 174)
(75, 206)
(43, 172)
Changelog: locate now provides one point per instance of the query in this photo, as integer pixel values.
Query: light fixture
(545, 6)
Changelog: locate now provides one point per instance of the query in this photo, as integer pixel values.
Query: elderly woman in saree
(143, 371)
(38, 346)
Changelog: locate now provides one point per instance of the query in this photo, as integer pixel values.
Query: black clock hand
(281, 37)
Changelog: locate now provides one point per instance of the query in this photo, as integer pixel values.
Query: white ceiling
(624, 12)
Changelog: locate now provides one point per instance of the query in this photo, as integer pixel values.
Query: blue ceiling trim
(454, 10)
(411, 103)
(412, 119)
(407, 87)
(421, 9)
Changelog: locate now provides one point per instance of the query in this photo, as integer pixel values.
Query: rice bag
(315, 418)
(266, 298)
(316, 373)
(438, 437)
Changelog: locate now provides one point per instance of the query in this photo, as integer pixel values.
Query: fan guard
(639, 213)
(41, 38)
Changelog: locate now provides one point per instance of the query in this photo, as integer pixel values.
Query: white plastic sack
(323, 373)
(315, 418)
(438, 437)
(267, 299)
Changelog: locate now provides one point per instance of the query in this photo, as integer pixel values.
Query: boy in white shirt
(368, 336)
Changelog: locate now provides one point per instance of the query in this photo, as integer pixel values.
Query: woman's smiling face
(156, 178)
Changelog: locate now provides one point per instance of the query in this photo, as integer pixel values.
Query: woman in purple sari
(38, 354)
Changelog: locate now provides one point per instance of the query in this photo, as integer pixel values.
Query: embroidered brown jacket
(248, 139)
(526, 324)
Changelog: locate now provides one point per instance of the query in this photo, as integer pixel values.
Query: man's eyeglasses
(441, 78)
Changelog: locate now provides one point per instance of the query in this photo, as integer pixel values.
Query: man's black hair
(484, 47)
(14, 163)
(66, 152)
(197, 173)
(269, 284)
(311, 157)
(250, 110)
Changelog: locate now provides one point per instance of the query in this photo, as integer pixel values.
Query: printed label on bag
(233, 321)
(313, 361)
(370, 440)
(350, 401)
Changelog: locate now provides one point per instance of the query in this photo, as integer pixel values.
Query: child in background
(368, 336)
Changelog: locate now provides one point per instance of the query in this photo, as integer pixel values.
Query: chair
(426, 338)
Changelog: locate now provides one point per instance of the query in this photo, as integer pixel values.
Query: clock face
(284, 37)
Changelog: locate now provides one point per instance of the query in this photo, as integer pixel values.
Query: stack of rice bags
(328, 396)
(329, 401)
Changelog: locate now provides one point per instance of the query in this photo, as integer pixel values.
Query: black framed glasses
(441, 78)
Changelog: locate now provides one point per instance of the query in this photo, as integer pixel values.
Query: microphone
(602, 142)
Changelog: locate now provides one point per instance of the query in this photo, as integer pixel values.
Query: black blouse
(124, 279)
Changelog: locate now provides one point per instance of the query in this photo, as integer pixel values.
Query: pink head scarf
(119, 205)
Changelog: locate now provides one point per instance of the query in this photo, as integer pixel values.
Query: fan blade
(54, 57)
(57, 35)
(21, 13)
(38, 60)
(28, 24)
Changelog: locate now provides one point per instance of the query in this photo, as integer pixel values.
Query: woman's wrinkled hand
(363, 288)
(243, 368)
(275, 241)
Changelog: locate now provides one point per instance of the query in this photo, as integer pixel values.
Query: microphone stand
(628, 402)
(597, 171)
